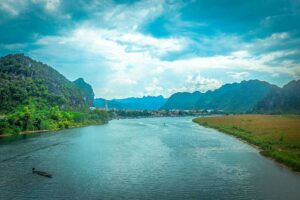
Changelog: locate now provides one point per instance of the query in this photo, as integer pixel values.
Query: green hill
(182, 100)
(282, 100)
(22, 78)
(34, 96)
(236, 97)
(87, 91)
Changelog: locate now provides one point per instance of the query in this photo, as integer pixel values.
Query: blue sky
(135, 48)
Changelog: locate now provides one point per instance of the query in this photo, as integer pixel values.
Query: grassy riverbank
(277, 136)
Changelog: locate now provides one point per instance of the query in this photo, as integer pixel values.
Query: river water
(152, 158)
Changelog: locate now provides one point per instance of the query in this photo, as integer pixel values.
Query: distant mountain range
(182, 100)
(252, 96)
(132, 103)
(235, 97)
(23, 79)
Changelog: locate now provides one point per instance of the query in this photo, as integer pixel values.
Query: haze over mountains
(182, 100)
(133, 103)
(253, 96)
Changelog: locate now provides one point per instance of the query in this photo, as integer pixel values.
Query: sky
(157, 47)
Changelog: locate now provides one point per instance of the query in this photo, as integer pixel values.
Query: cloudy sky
(135, 48)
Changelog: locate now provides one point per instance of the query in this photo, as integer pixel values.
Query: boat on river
(41, 173)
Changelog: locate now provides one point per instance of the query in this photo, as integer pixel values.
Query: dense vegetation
(22, 78)
(36, 97)
(130, 113)
(282, 100)
(155, 113)
(234, 98)
(278, 136)
(87, 91)
(39, 115)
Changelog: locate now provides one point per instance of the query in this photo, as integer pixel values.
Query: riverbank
(36, 118)
(24, 134)
(277, 136)
(124, 114)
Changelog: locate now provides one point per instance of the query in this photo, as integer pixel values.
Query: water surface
(153, 158)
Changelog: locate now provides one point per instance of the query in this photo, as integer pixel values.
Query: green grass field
(278, 136)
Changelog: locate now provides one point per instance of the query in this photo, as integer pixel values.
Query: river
(151, 158)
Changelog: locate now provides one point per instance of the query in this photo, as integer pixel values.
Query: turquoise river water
(151, 158)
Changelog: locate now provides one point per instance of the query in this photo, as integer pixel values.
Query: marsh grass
(278, 136)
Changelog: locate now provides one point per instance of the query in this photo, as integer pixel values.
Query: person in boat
(45, 174)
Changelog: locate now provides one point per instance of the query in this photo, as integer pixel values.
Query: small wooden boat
(45, 174)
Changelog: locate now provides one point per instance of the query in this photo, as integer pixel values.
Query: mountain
(86, 89)
(144, 103)
(133, 103)
(282, 100)
(235, 97)
(182, 100)
(22, 78)
(100, 103)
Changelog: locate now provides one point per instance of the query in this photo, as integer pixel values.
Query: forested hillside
(34, 96)
(235, 97)
(282, 100)
(86, 89)
(22, 78)
(182, 100)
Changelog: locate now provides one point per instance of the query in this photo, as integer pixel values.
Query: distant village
(122, 113)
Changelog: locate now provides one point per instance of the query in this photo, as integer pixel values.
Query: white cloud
(202, 84)
(14, 8)
(133, 60)
(140, 42)
(123, 80)
(51, 5)
(241, 54)
(154, 88)
(13, 47)
(128, 55)
(136, 58)
(279, 36)
(239, 75)
(189, 83)
(272, 40)
(11, 7)
(131, 18)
